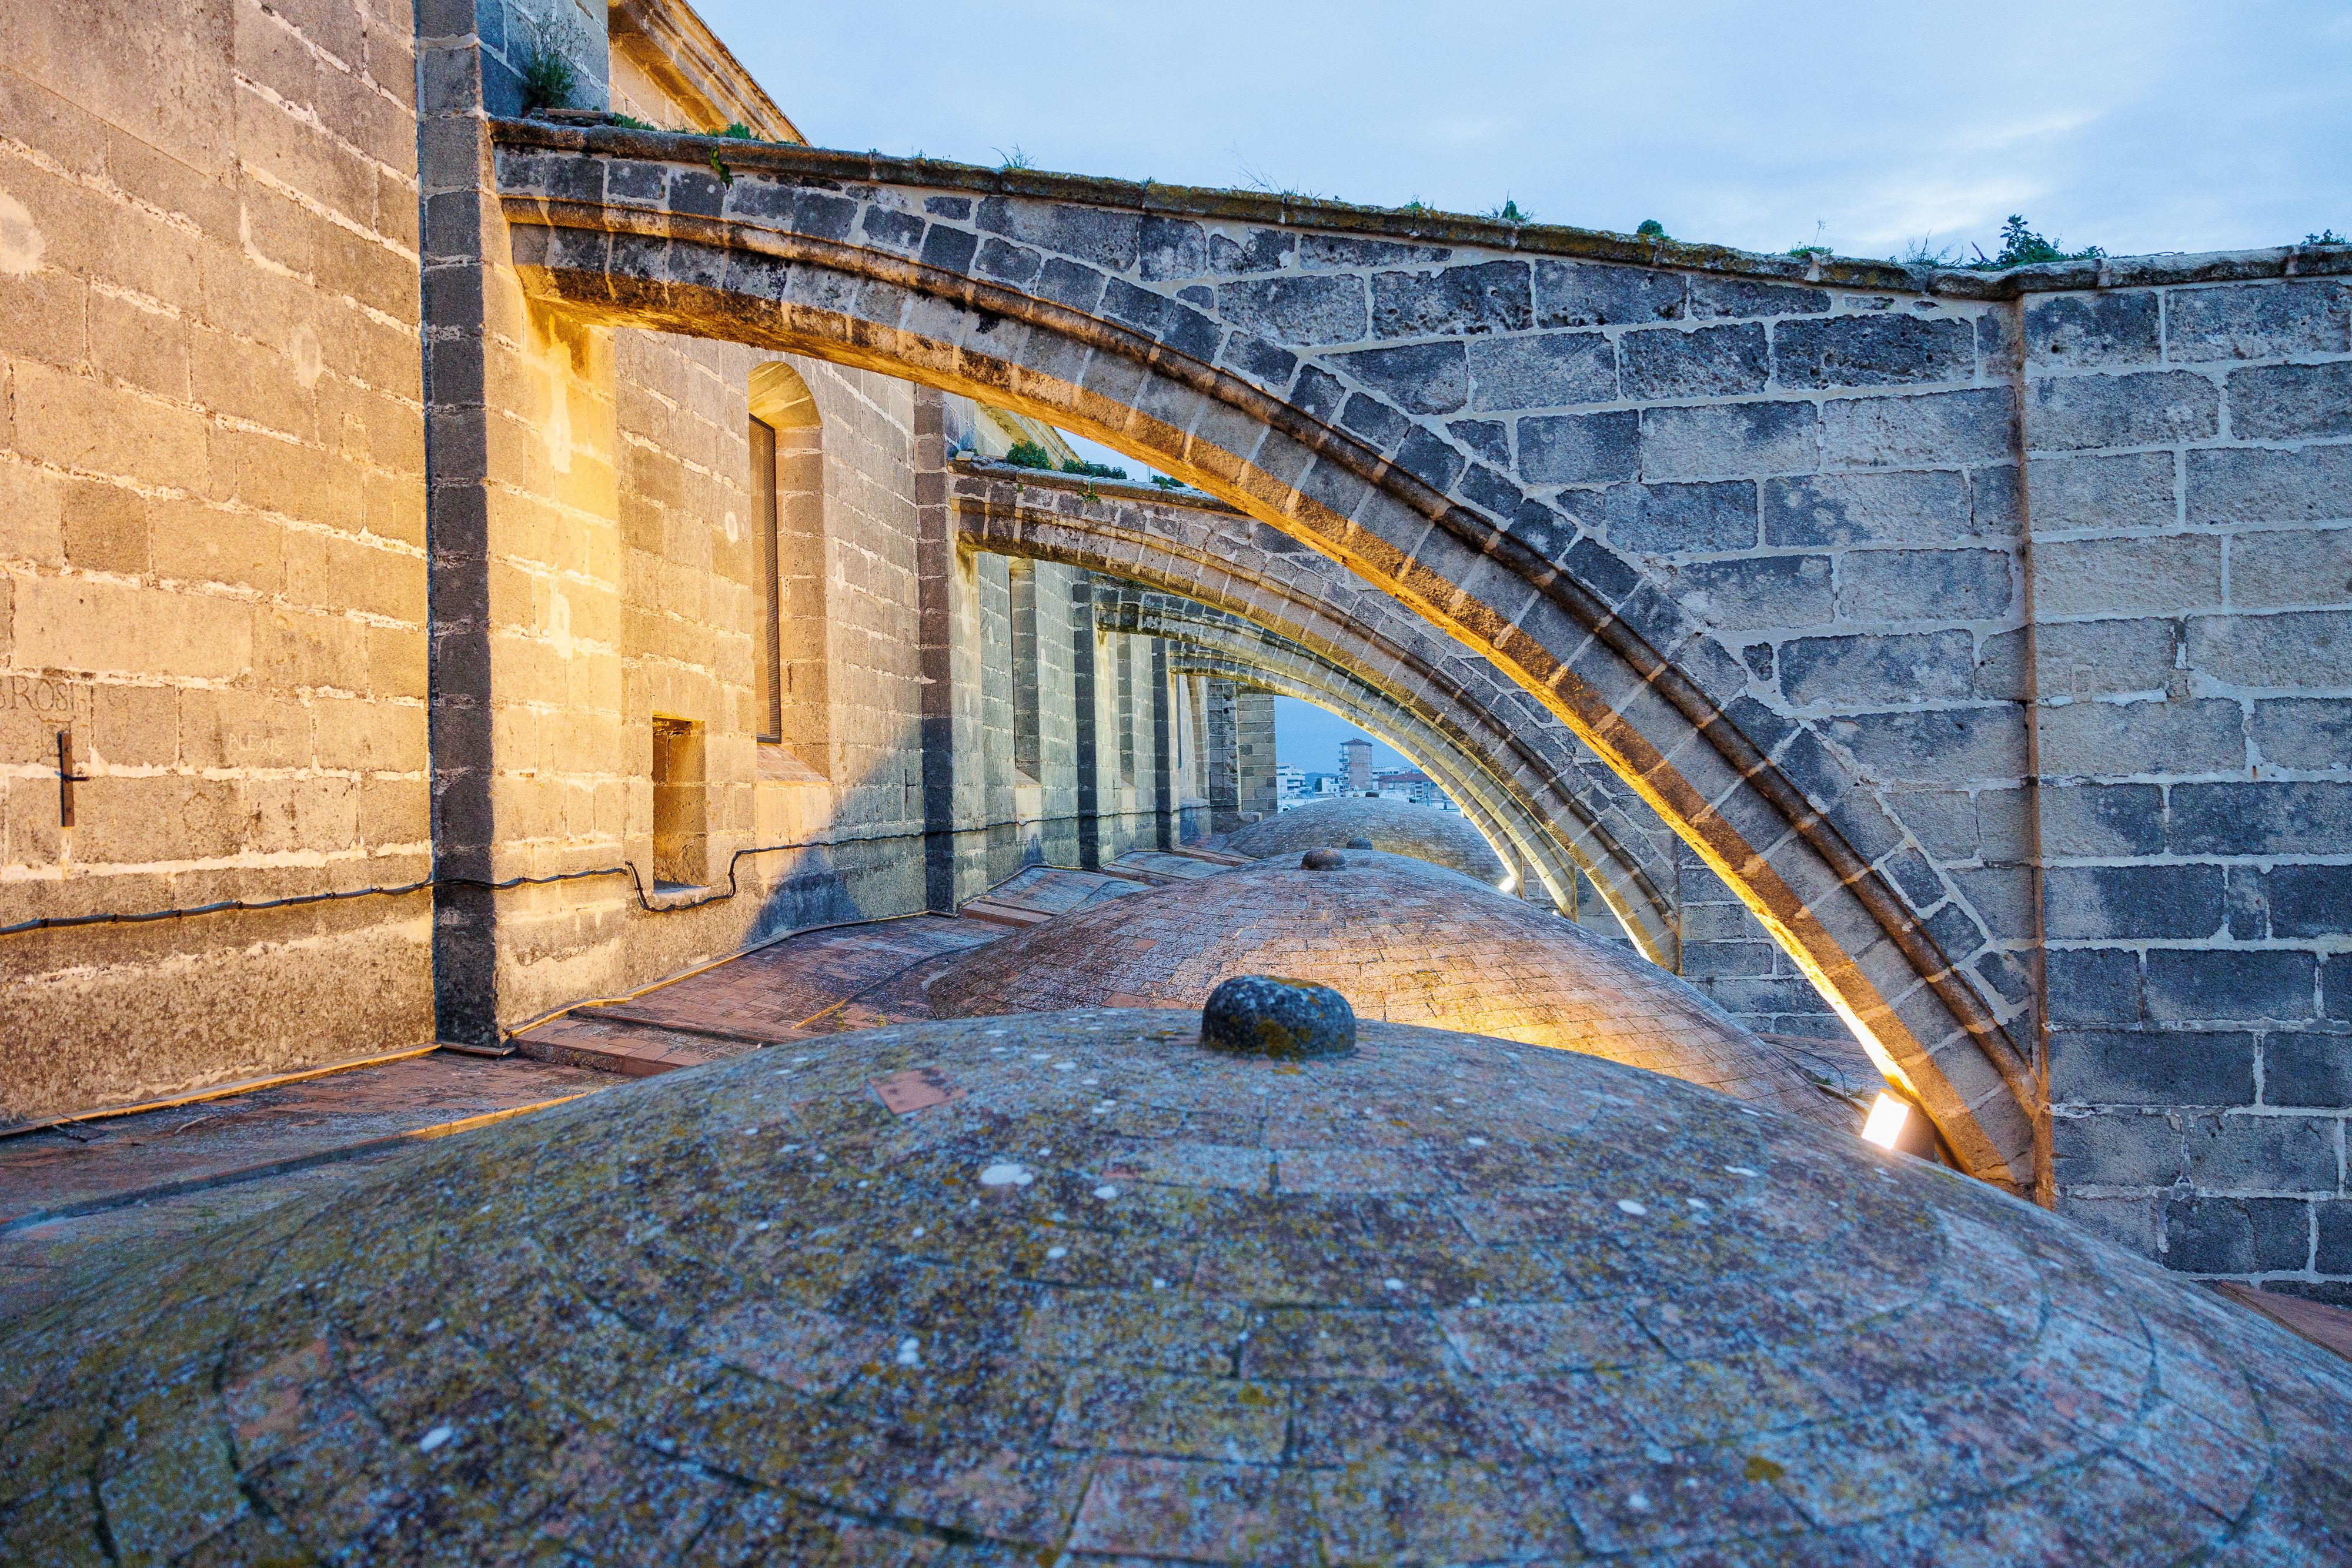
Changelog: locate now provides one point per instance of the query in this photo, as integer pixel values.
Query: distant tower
(1355, 766)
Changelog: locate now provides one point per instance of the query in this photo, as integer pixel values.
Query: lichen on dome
(1091, 1293)
(1403, 940)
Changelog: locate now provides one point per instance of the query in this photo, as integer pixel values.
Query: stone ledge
(1538, 239)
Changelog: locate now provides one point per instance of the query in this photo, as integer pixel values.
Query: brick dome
(1398, 827)
(1004, 1290)
(1403, 941)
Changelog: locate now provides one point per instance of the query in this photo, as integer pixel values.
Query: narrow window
(681, 834)
(768, 651)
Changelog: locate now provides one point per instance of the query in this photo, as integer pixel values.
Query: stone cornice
(1442, 229)
(703, 68)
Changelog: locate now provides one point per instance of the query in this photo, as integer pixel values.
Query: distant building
(1408, 784)
(1289, 780)
(1356, 767)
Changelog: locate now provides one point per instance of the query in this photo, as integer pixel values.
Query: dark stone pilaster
(451, 157)
(1163, 749)
(935, 566)
(1082, 685)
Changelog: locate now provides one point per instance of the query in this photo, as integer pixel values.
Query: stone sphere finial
(1360, 843)
(1322, 860)
(1288, 1020)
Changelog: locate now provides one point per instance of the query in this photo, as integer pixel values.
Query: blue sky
(2158, 125)
(2150, 126)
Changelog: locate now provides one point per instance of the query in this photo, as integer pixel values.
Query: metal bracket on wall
(66, 778)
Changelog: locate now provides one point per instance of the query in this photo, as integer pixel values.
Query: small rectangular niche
(681, 828)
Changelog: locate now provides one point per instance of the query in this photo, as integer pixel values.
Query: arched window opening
(791, 695)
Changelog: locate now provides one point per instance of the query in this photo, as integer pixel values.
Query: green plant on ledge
(547, 77)
(2020, 246)
(2326, 236)
(1652, 229)
(631, 122)
(1029, 454)
(739, 131)
(1093, 470)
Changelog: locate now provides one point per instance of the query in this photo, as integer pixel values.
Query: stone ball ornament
(1092, 1294)
(1284, 1021)
(1360, 843)
(1323, 860)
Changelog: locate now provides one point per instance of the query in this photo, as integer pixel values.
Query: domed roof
(1398, 827)
(1403, 941)
(1004, 1290)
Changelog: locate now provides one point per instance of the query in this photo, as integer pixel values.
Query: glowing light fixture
(1510, 880)
(1887, 1115)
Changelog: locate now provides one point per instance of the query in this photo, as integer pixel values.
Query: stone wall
(215, 529)
(2189, 465)
(212, 568)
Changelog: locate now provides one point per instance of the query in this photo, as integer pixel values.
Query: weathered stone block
(1546, 370)
(2151, 1067)
(2133, 491)
(1714, 296)
(1925, 585)
(2309, 899)
(1891, 432)
(2092, 658)
(2119, 1149)
(1712, 362)
(2256, 486)
(2288, 403)
(1111, 240)
(2261, 322)
(2002, 896)
(2120, 903)
(1169, 249)
(2237, 1152)
(1490, 297)
(2153, 408)
(1728, 441)
(2140, 576)
(2331, 1251)
(2231, 986)
(2311, 648)
(2082, 330)
(2277, 568)
(1772, 590)
(1877, 669)
(1667, 520)
(1252, 250)
(1942, 746)
(1300, 311)
(1866, 508)
(104, 527)
(2083, 820)
(2236, 1235)
(2260, 818)
(1872, 351)
(2111, 740)
(1579, 448)
(2093, 985)
(2307, 1069)
(1420, 378)
(1595, 294)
